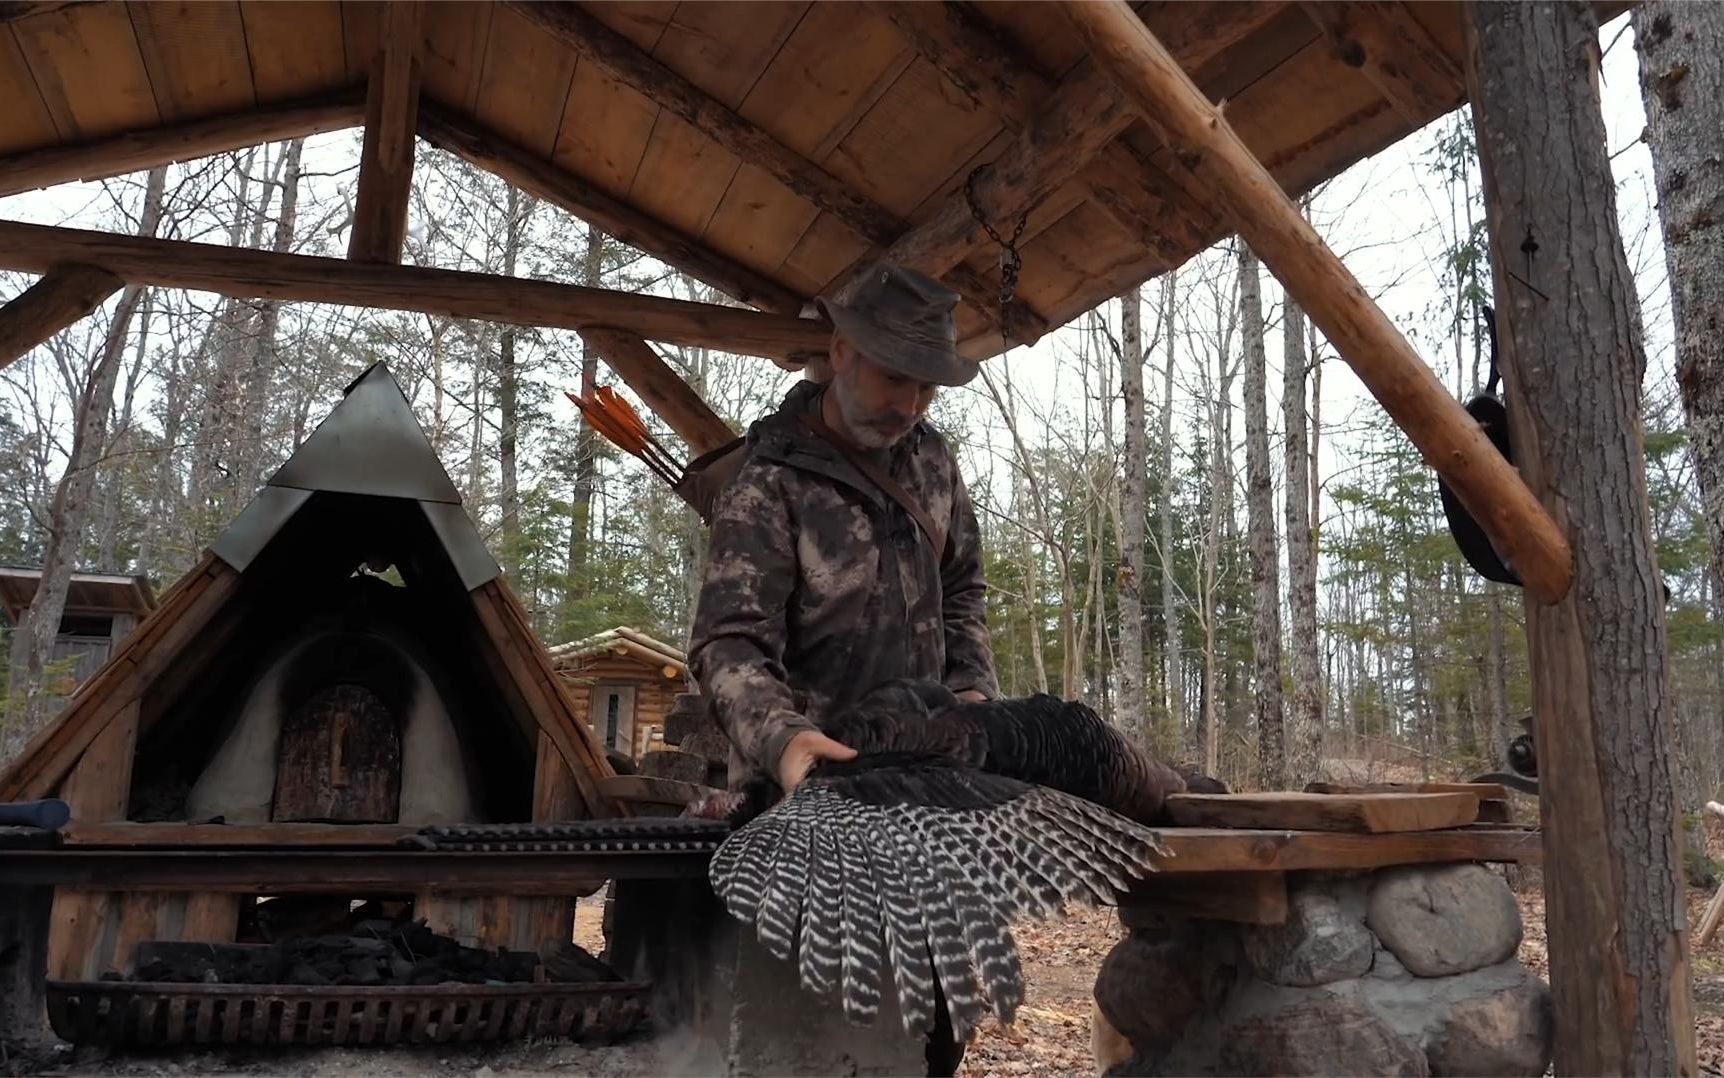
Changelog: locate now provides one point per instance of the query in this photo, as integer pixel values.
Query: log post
(386, 160)
(1450, 440)
(63, 296)
(1572, 361)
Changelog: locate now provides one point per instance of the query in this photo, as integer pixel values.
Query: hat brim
(912, 359)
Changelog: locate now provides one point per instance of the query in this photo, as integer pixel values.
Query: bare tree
(1172, 717)
(33, 640)
(1682, 84)
(1130, 574)
(1260, 529)
(1306, 727)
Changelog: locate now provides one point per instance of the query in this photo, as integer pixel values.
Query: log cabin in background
(775, 155)
(624, 683)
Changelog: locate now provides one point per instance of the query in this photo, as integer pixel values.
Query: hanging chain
(1011, 260)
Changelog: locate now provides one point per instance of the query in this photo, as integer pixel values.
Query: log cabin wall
(653, 680)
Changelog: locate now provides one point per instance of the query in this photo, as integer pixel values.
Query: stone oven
(344, 667)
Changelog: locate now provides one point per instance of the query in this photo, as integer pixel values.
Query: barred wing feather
(904, 871)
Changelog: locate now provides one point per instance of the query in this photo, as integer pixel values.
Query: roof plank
(295, 47)
(526, 81)
(566, 189)
(27, 124)
(1395, 52)
(86, 63)
(596, 42)
(196, 55)
(456, 39)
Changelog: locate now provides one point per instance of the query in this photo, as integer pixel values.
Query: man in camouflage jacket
(819, 585)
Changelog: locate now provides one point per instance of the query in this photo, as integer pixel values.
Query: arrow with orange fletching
(622, 426)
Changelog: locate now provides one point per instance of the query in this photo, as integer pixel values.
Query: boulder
(1506, 1033)
(1151, 986)
(1446, 919)
(1323, 940)
(1316, 1032)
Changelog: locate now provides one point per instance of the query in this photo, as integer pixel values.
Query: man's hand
(801, 751)
(973, 696)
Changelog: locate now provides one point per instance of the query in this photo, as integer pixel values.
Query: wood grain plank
(891, 159)
(835, 63)
(99, 787)
(1375, 813)
(27, 123)
(457, 36)
(606, 127)
(362, 36)
(86, 63)
(555, 795)
(723, 48)
(682, 175)
(525, 87)
(1392, 49)
(195, 52)
(296, 47)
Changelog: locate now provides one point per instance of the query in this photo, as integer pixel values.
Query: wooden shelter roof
(771, 147)
(88, 592)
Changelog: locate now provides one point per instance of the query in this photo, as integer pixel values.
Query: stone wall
(1401, 971)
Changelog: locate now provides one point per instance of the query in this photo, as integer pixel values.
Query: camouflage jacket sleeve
(736, 649)
(969, 652)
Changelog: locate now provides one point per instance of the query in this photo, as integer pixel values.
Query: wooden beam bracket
(64, 295)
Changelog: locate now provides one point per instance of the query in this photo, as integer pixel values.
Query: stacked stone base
(1402, 971)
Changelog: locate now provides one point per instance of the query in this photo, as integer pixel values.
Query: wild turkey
(953, 820)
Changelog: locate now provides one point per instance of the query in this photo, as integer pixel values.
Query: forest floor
(1051, 1036)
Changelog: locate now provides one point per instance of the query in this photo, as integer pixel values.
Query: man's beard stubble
(871, 431)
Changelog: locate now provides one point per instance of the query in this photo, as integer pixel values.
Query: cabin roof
(625, 643)
(773, 148)
(88, 592)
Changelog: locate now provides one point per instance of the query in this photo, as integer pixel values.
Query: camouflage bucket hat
(902, 319)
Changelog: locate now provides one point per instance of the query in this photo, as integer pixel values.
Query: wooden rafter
(137, 151)
(1395, 52)
(458, 135)
(60, 298)
(621, 59)
(1320, 282)
(671, 398)
(998, 75)
(244, 272)
(391, 117)
(1069, 133)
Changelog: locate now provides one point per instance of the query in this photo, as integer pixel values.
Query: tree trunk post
(1573, 362)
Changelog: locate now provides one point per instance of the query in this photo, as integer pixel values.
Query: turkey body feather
(904, 868)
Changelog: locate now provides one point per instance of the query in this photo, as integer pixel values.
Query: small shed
(623, 682)
(101, 611)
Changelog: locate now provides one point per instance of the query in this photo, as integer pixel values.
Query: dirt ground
(1051, 1036)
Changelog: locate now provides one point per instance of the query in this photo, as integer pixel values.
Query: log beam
(531, 173)
(1450, 440)
(1603, 703)
(63, 296)
(1395, 52)
(621, 59)
(248, 273)
(391, 117)
(139, 151)
(670, 398)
